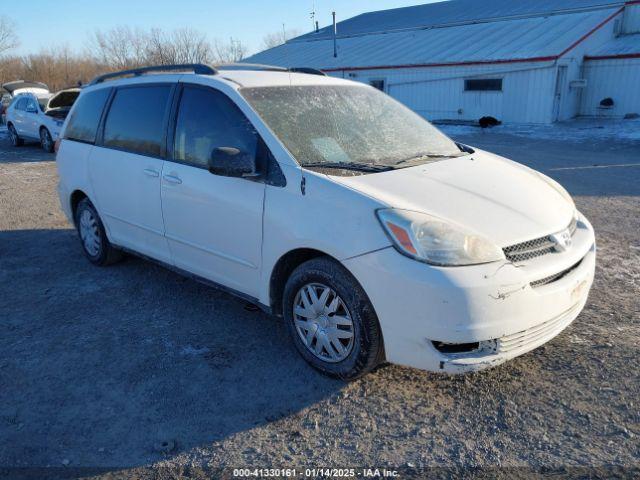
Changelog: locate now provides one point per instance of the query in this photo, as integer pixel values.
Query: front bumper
(494, 304)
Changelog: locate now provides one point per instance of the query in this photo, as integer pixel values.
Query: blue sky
(71, 22)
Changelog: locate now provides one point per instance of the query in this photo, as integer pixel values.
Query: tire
(361, 352)
(16, 141)
(46, 142)
(93, 238)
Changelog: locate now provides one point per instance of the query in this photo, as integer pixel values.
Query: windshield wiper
(465, 148)
(359, 167)
(424, 156)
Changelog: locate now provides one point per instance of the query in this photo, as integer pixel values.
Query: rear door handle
(151, 172)
(172, 179)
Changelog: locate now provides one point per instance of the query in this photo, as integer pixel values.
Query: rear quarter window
(85, 117)
(136, 119)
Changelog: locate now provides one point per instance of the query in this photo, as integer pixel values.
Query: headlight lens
(435, 241)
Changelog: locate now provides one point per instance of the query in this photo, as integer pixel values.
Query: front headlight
(435, 241)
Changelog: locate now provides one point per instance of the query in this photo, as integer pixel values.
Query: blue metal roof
(521, 39)
(622, 45)
(451, 12)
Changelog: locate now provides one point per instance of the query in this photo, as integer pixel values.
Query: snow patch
(577, 130)
(190, 351)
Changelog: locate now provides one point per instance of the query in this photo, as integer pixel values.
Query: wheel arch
(76, 197)
(283, 269)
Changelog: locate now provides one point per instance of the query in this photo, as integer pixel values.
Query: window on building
(483, 85)
(379, 84)
(136, 119)
(84, 119)
(207, 119)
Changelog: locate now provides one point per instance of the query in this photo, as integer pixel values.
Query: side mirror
(233, 162)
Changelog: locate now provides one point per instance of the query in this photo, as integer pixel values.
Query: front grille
(521, 252)
(527, 250)
(537, 334)
(555, 277)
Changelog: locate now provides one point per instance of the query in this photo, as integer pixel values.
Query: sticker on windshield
(330, 150)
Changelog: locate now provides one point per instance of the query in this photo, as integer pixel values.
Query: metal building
(520, 61)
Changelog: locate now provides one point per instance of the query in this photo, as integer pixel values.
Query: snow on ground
(575, 130)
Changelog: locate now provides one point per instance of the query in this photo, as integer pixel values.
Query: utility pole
(335, 35)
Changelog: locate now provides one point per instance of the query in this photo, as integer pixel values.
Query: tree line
(119, 48)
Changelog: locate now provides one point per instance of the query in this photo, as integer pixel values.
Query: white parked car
(39, 116)
(325, 201)
(17, 87)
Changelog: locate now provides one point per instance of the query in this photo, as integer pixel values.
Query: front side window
(136, 119)
(208, 119)
(31, 105)
(85, 116)
(344, 124)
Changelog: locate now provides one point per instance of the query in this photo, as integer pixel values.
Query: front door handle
(151, 172)
(172, 179)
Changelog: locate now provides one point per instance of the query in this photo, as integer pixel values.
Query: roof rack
(268, 68)
(201, 69)
(307, 70)
(249, 66)
(197, 68)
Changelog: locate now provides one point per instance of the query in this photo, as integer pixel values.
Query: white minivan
(328, 203)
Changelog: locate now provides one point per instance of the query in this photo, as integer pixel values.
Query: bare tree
(120, 47)
(191, 46)
(8, 38)
(278, 38)
(123, 47)
(116, 49)
(229, 52)
(158, 49)
(57, 67)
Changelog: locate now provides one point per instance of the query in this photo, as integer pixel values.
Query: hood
(64, 98)
(22, 86)
(506, 202)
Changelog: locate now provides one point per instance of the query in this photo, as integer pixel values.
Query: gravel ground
(144, 373)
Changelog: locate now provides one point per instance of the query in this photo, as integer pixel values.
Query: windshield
(43, 100)
(64, 99)
(347, 125)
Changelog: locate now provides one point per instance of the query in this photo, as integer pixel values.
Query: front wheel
(95, 244)
(46, 142)
(331, 320)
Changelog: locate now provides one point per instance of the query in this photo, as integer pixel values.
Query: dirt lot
(99, 367)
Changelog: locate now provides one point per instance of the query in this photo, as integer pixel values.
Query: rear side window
(136, 119)
(208, 119)
(85, 117)
(21, 104)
